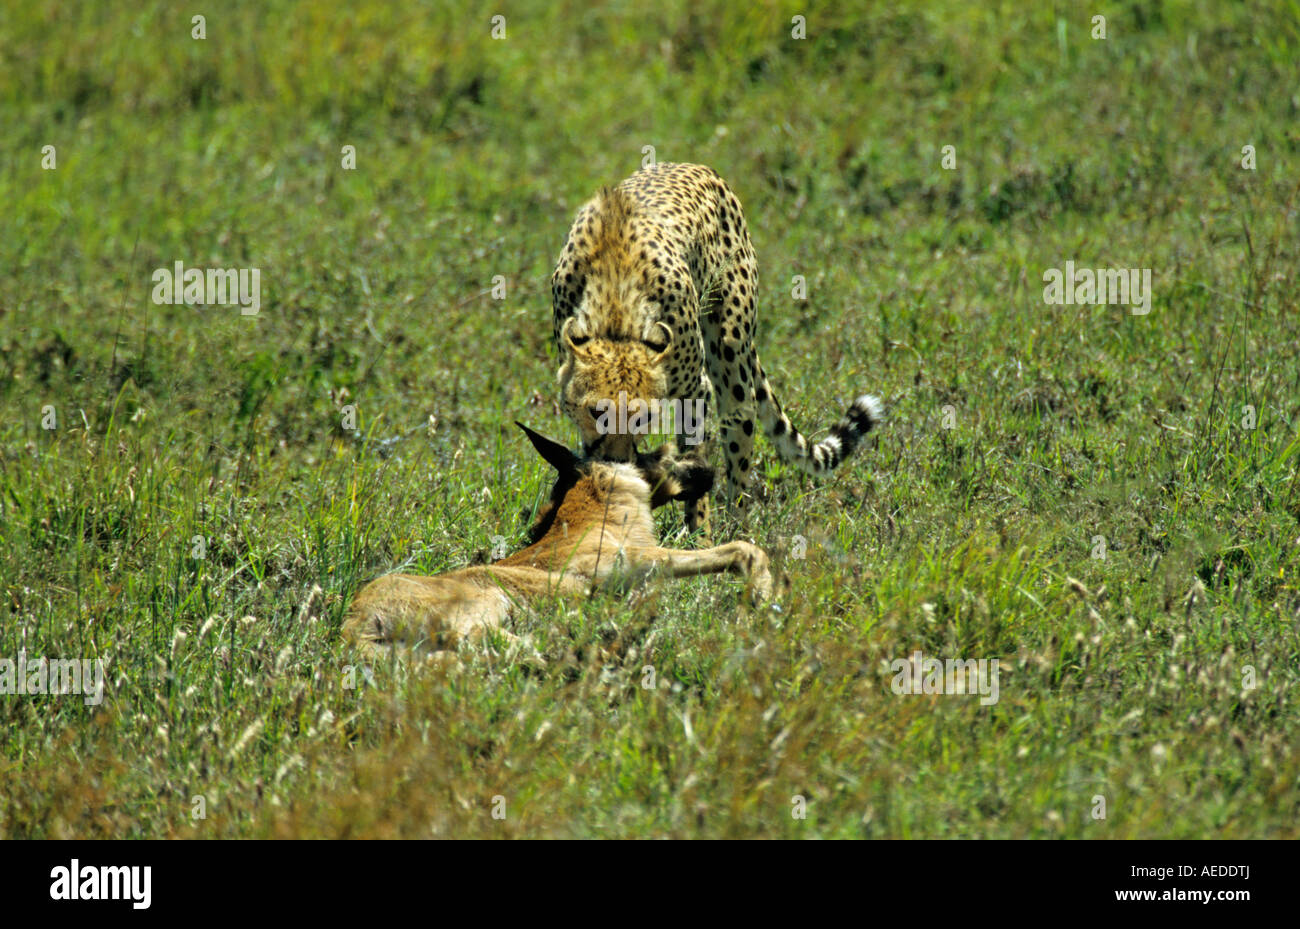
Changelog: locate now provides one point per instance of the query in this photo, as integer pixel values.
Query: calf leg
(741, 558)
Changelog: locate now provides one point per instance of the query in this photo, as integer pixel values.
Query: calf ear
(695, 479)
(556, 455)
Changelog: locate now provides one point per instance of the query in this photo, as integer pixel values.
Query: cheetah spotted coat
(654, 292)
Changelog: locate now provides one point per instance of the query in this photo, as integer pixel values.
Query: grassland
(1156, 669)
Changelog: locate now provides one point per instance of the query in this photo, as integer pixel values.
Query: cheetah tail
(862, 416)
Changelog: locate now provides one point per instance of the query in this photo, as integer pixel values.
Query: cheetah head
(599, 372)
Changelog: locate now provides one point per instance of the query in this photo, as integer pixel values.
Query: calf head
(669, 477)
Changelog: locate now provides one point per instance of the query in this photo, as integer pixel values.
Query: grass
(1107, 503)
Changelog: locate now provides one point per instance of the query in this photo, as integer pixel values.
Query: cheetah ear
(556, 455)
(571, 341)
(660, 342)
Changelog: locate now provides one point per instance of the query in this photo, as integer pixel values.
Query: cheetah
(653, 299)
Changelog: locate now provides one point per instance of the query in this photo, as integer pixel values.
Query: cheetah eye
(577, 340)
(658, 338)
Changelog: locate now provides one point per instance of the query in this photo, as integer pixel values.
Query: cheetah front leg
(727, 328)
(736, 416)
(694, 441)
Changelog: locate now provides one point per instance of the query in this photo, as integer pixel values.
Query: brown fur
(596, 531)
